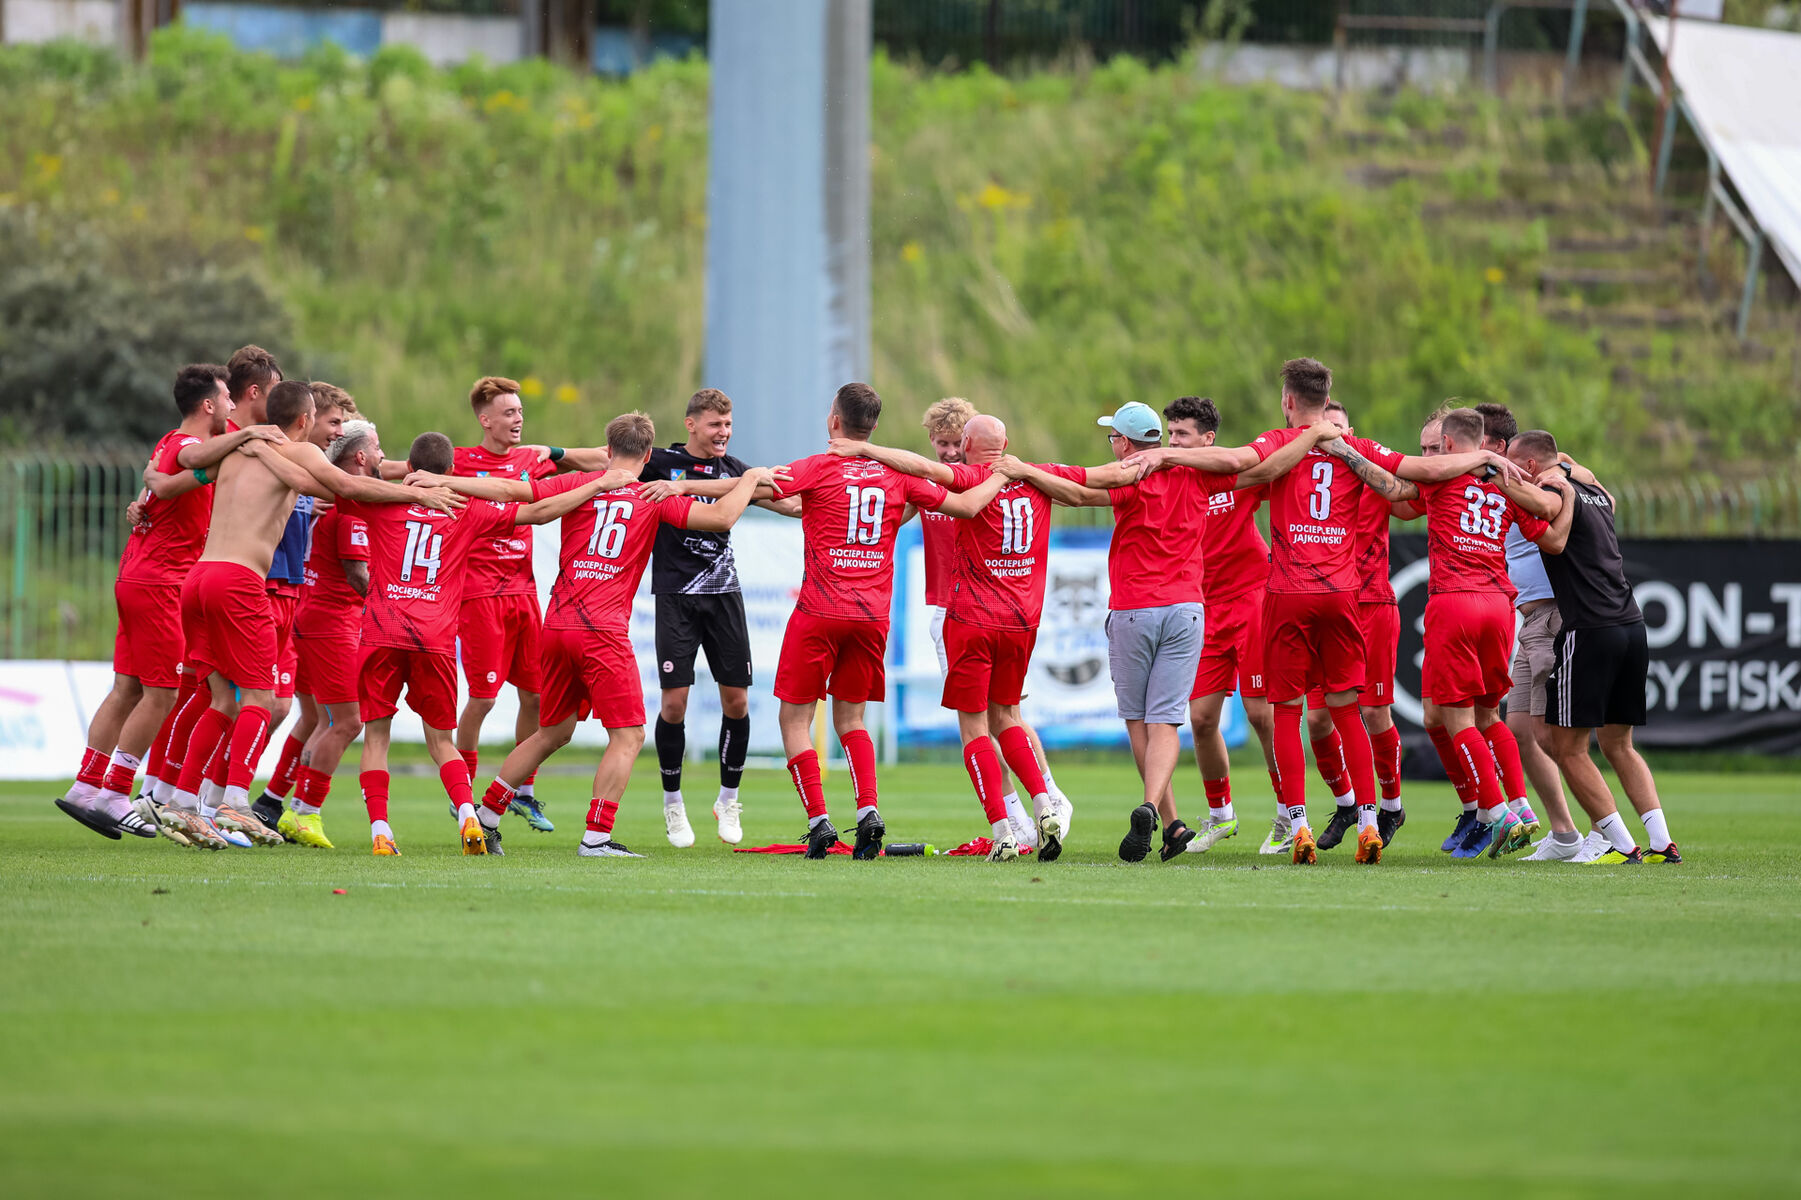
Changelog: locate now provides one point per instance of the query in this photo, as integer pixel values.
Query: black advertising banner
(1723, 619)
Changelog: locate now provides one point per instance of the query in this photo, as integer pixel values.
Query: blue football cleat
(1460, 831)
(533, 812)
(1476, 841)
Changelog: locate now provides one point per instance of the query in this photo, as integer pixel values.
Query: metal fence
(62, 527)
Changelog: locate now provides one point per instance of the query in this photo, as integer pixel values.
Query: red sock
(187, 715)
(1479, 763)
(159, 749)
(247, 734)
(303, 785)
(1275, 785)
(210, 729)
(375, 793)
(985, 773)
(1354, 741)
(1016, 748)
(1291, 764)
(1329, 758)
(601, 814)
(470, 758)
(497, 798)
(1386, 746)
(93, 767)
(286, 767)
(1452, 762)
(455, 778)
(529, 779)
(118, 778)
(859, 754)
(321, 789)
(803, 768)
(1219, 792)
(218, 766)
(1506, 749)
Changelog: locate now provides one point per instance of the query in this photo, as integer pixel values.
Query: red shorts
(1469, 648)
(987, 666)
(1381, 624)
(287, 648)
(826, 656)
(226, 622)
(149, 645)
(430, 679)
(327, 670)
(591, 672)
(499, 637)
(1233, 655)
(1311, 638)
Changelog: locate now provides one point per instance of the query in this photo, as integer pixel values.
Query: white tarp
(1744, 87)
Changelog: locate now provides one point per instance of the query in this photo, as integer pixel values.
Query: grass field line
(999, 898)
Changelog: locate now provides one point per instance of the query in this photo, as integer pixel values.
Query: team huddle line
(278, 554)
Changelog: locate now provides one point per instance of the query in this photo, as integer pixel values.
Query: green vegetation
(703, 1023)
(1047, 245)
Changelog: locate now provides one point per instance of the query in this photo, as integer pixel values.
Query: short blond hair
(631, 435)
(329, 395)
(490, 388)
(947, 418)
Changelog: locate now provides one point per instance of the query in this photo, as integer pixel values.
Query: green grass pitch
(704, 1023)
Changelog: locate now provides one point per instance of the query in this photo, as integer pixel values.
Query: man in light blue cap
(1155, 623)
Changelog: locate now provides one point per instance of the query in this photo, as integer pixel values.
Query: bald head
(984, 439)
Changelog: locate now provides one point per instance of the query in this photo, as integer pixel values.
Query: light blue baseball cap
(1136, 421)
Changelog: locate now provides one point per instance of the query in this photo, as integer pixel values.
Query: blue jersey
(289, 563)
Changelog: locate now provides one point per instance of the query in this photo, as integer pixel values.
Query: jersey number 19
(865, 524)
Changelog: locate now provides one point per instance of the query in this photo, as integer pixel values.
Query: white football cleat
(606, 849)
(730, 815)
(1280, 839)
(1212, 834)
(1593, 847)
(1005, 849)
(1551, 850)
(675, 824)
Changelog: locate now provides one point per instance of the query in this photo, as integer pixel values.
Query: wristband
(200, 474)
(556, 453)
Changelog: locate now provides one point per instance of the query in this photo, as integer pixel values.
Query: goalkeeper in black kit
(700, 607)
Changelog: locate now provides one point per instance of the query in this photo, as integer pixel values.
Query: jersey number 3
(864, 527)
(422, 550)
(608, 538)
(1319, 501)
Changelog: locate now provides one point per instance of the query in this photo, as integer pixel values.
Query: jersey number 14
(423, 548)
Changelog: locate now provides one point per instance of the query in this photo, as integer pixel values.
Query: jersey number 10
(1016, 525)
(864, 527)
(422, 550)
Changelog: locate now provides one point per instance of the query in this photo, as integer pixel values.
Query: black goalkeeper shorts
(714, 623)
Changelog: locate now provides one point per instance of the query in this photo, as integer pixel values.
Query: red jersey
(167, 541)
(1373, 586)
(329, 606)
(605, 546)
(998, 578)
(1156, 558)
(1236, 556)
(418, 559)
(1314, 515)
(502, 565)
(939, 533)
(1466, 535)
(850, 510)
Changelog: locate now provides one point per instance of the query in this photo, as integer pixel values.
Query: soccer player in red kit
(1310, 620)
(838, 634)
(328, 628)
(995, 597)
(418, 575)
(162, 547)
(1470, 621)
(589, 666)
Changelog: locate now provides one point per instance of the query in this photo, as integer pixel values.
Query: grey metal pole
(1578, 23)
(1706, 231)
(1665, 143)
(1491, 42)
(1753, 261)
(787, 303)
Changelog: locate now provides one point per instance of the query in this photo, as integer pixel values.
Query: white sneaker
(1280, 839)
(1005, 849)
(1551, 850)
(1212, 834)
(730, 815)
(1067, 812)
(675, 824)
(1593, 847)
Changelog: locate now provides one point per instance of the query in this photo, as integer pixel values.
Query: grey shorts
(1533, 660)
(1153, 654)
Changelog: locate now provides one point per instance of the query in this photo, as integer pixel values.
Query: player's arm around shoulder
(724, 513)
(1529, 498)
(362, 488)
(1378, 480)
(895, 459)
(282, 460)
(973, 501)
(1259, 467)
(1069, 492)
(1556, 534)
(487, 487)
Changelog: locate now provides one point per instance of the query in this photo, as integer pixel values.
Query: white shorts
(944, 662)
